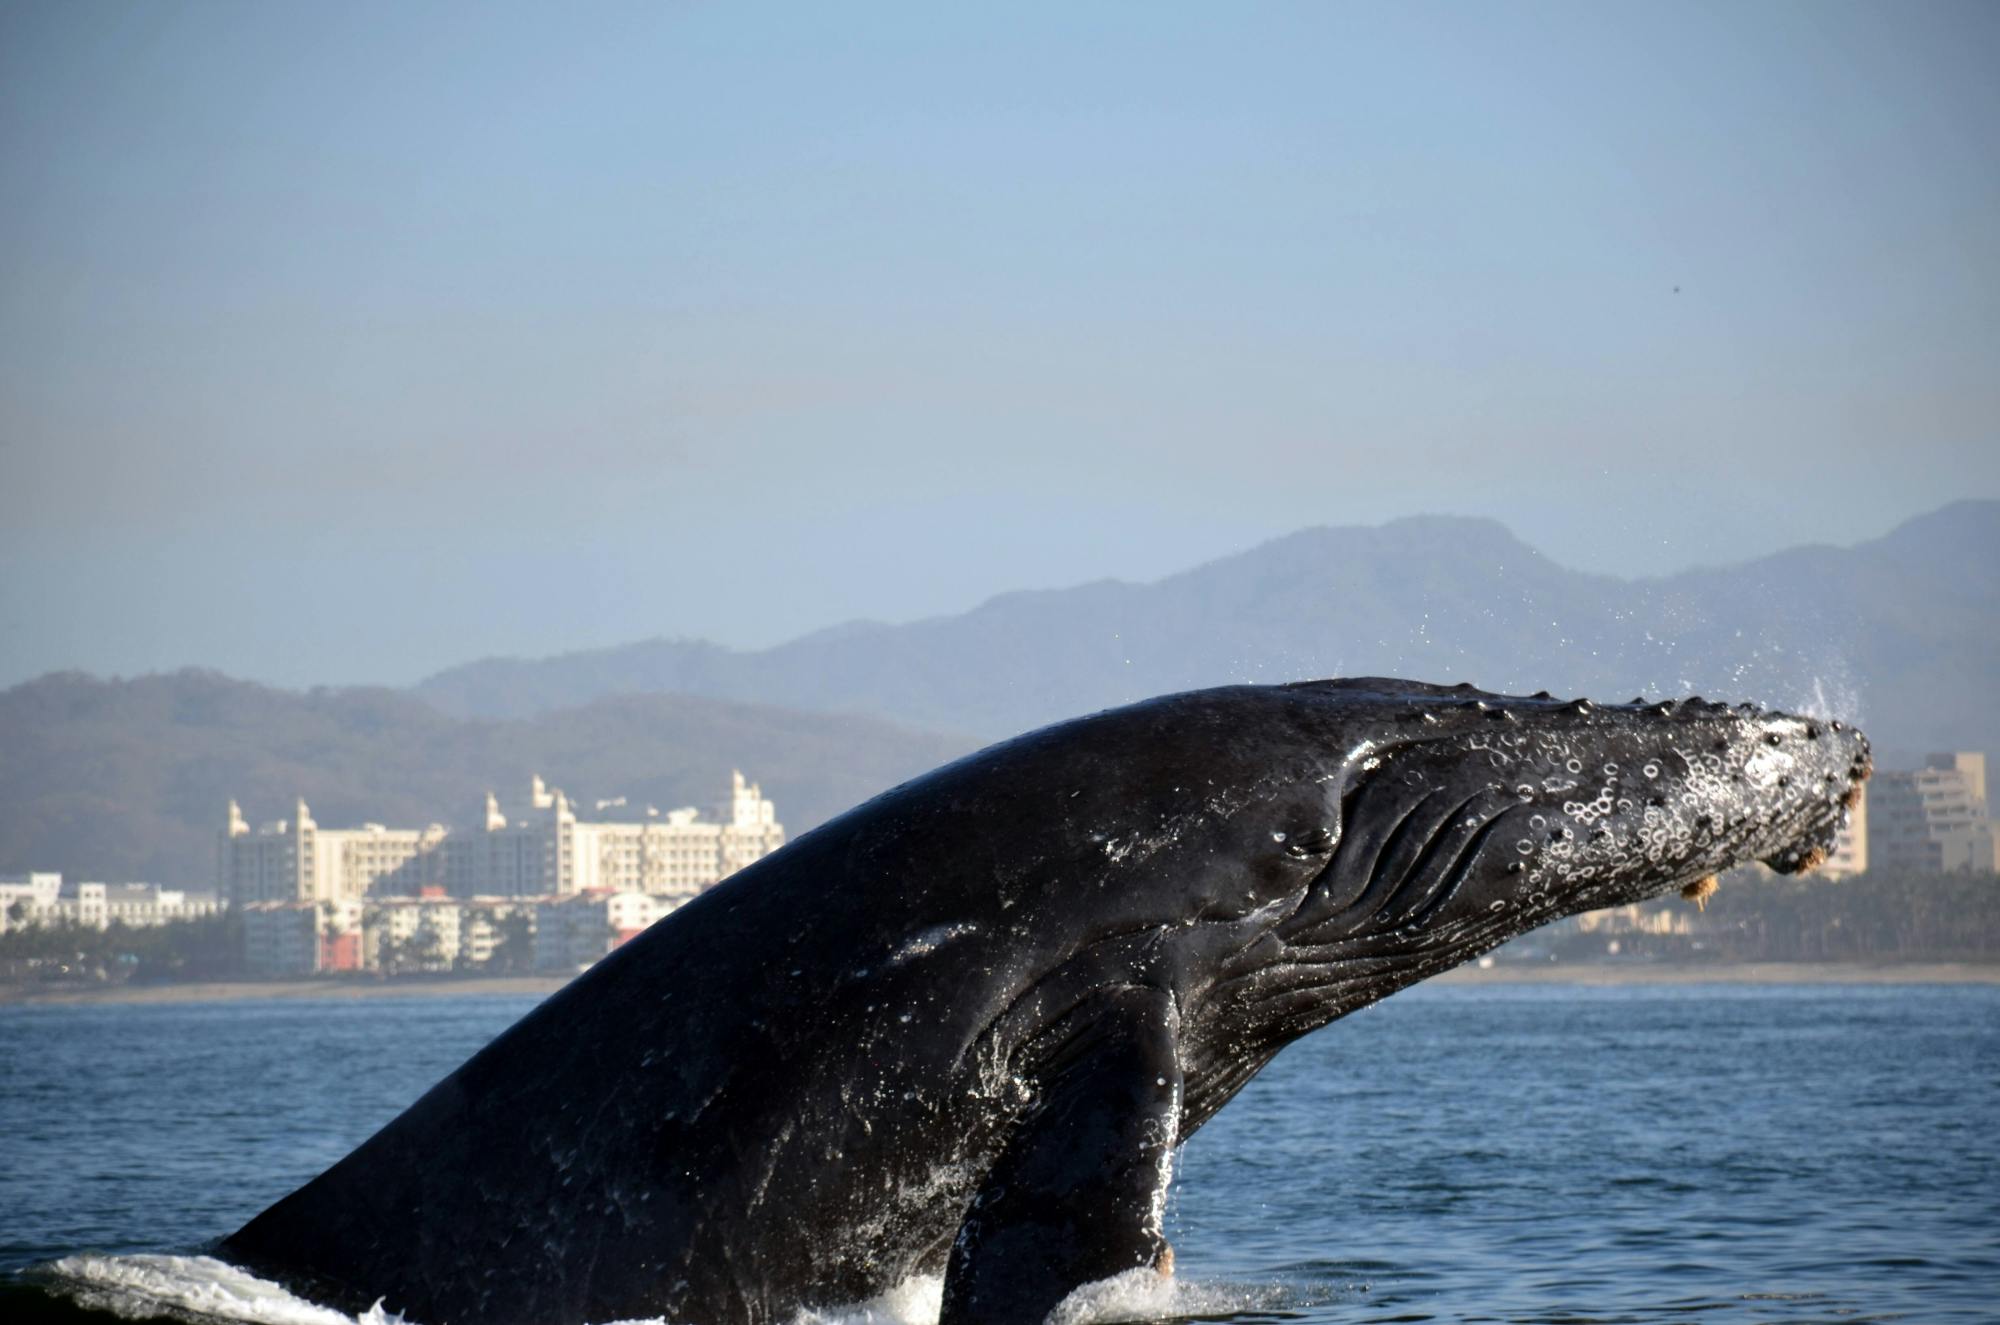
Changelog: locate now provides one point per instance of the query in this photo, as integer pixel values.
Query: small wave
(1143, 1295)
(918, 1300)
(191, 1287)
(1136, 1295)
(201, 1288)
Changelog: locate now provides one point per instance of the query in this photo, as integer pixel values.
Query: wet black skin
(961, 1027)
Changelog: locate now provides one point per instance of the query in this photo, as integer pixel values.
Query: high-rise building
(1933, 819)
(1850, 848)
(545, 849)
(296, 860)
(541, 849)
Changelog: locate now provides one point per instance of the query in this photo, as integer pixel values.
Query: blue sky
(343, 343)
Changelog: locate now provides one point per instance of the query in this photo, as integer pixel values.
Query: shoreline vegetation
(1593, 974)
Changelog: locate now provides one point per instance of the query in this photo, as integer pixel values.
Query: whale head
(1461, 811)
(1308, 849)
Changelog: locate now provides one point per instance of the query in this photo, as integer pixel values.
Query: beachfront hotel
(1934, 819)
(29, 901)
(372, 898)
(542, 848)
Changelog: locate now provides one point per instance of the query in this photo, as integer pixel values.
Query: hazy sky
(342, 342)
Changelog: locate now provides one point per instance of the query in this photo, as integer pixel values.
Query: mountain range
(1899, 632)
(127, 779)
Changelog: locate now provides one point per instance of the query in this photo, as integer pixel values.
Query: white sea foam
(918, 1300)
(203, 1287)
(137, 1286)
(1137, 1295)
(1141, 1294)
(1145, 1295)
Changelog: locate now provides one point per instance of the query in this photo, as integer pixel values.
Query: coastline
(1512, 973)
(1727, 973)
(237, 991)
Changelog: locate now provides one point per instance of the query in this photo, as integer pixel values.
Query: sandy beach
(1764, 973)
(240, 990)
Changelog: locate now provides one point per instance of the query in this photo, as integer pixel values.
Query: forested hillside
(125, 780)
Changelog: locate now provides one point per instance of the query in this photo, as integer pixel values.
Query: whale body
(962, 1028)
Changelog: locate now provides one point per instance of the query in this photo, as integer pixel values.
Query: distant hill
(1901, 633)
(129, 779)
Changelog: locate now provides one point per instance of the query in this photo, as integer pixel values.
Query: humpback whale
(963, 1027)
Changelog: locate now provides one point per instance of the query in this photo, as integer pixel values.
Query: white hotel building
(542, 849)
(31, 900)
(315, 899)
(545, 849)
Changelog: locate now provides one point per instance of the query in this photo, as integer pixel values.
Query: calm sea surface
(1474, 1153)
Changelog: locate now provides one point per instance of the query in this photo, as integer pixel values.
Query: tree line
(207, 948)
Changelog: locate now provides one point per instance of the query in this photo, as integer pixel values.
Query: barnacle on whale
(1701, 890)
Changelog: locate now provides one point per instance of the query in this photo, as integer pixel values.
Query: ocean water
(1459, 1153)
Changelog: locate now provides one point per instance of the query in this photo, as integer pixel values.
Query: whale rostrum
(962, 1028)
